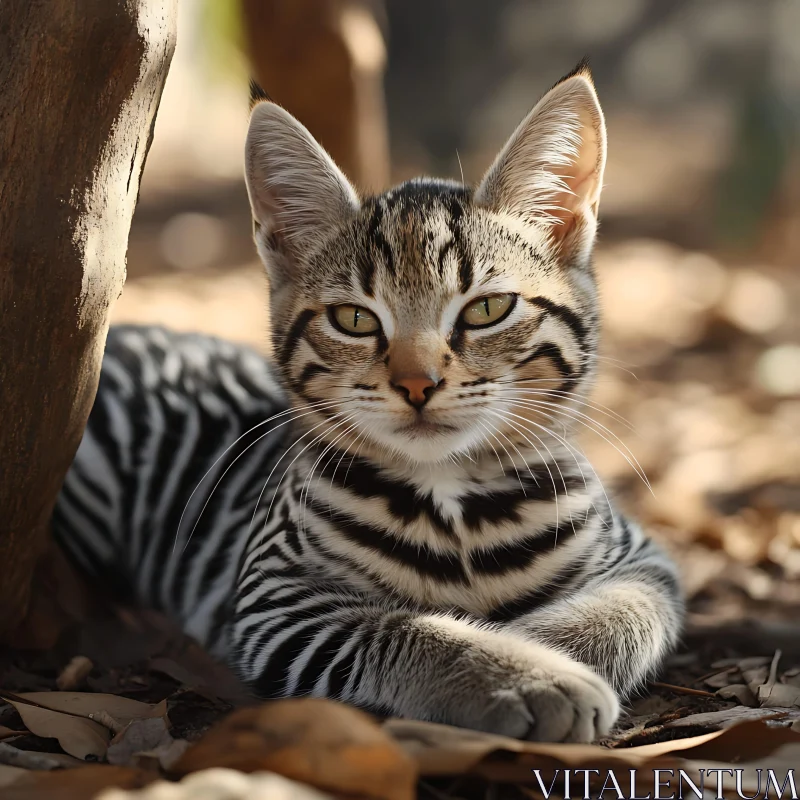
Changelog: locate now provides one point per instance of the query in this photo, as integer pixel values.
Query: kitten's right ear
(296, 192)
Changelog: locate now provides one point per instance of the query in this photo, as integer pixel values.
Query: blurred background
(700, 221)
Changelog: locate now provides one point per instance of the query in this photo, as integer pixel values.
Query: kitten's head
(434, 320)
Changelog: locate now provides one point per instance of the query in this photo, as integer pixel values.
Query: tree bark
(81, 83)
(323, 61)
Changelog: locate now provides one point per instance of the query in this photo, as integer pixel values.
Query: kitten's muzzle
(416, 389)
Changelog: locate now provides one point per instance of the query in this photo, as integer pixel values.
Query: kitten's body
(422, 538)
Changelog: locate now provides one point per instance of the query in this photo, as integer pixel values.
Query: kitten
(405, 522)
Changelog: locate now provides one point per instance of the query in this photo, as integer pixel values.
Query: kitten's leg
(622, 622)
(296, 640)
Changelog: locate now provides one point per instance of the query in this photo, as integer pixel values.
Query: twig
(683, 689)
(25, 758)
(773, 668)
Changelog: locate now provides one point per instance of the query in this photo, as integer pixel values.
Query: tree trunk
(323, 61)
(81, 84)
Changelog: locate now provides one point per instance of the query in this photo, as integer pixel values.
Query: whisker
(572, 397)
(272, 471)
(575, 453)
(544, 461)
(315, 407)
(307, 482)
(499, 460)
(581, 419)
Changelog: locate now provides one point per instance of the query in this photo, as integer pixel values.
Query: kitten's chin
(429, 442)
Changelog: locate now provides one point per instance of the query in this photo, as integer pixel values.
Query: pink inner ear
(582, 180)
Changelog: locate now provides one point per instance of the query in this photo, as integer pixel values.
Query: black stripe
(325, 653)
(494, 507)
(375, 240)
(272, 682)
(296, 332)
(465, 270)
(553, 352)
(309, 371)
(213, 436)
(403, 499)
(418, 557)
(108, 576)
(564, 314)
(522, 554)
(340, 674)
(446, 248)
(95, 488)
(560, 584)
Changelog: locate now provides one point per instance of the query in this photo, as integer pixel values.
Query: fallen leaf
(745, 664)
(733, 716)
(328, 745)
(755, 677)
(779, 695)
(164, 757)
(447, 750)
(6, 733)
(442, 750)
(221, 784)
(78, 736)
(740, 693)
(81, 721)
(721, 679)
(88, 704)
(139, 736)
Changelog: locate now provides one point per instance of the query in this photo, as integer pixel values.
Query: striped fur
(456, 560)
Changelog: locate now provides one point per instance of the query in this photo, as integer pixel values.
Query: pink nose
(416, 389)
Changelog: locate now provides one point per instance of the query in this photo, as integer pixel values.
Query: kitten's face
(431, 322)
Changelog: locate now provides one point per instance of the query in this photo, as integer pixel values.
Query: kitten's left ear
(551, 169)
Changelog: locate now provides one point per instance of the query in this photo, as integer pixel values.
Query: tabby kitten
(396, 513)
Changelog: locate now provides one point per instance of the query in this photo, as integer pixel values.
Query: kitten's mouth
(422, 426)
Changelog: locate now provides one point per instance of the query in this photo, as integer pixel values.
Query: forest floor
(696, 419)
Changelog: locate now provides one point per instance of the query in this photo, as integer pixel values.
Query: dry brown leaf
(442, 750)
(745, 742)
(328, 745)
(7, 733)
(81, 721)
(139, 736)
(752, 662)
(89, 704)
(740, 693)
(77, 784)
(727, 717)
(779, 695)
(78, 736)
(164, 757)
(721, 679)
(755, 677)
(446, 750)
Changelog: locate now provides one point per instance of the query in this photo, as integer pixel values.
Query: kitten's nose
(416, 389)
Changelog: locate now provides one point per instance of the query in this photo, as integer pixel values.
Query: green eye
(354, 320)
(487, 310)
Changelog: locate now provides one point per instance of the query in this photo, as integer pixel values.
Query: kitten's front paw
(574, 706)
(547, 697)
